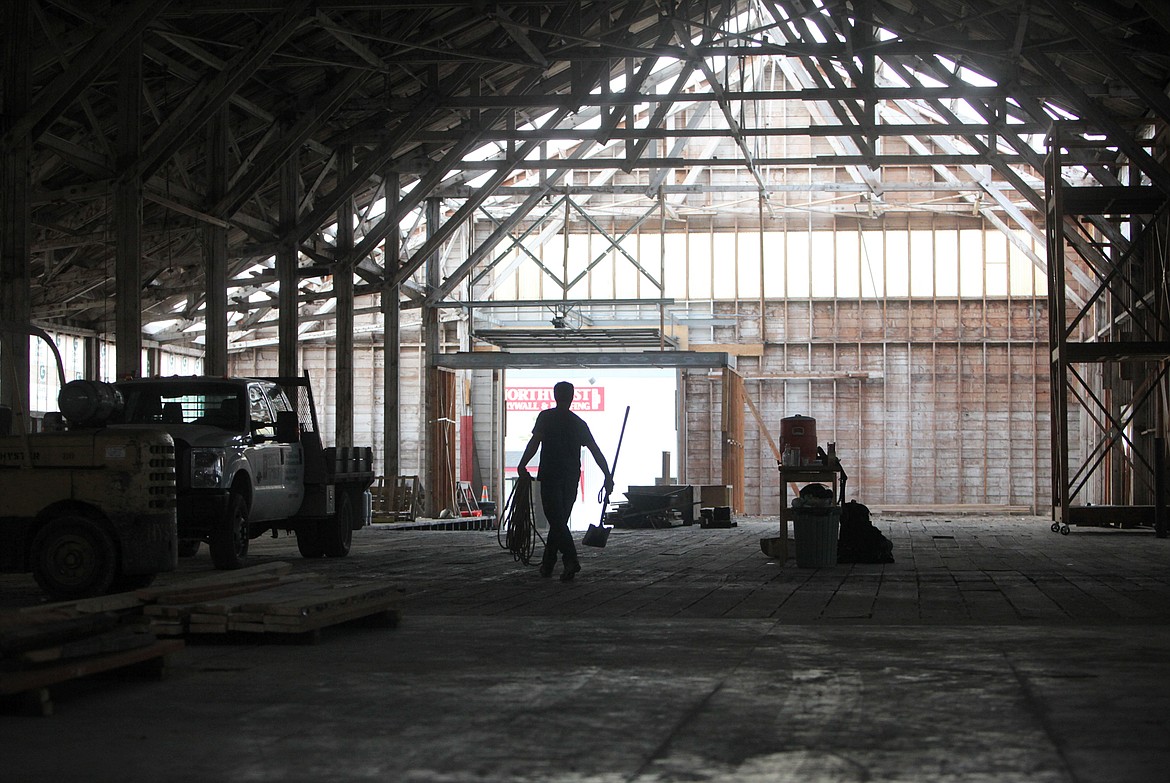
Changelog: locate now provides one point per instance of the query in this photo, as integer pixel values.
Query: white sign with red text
(588, 399)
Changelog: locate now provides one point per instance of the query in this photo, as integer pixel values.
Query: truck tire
(228, 542)
(74, 557)
(125, 583)
(309, 540)
(337, 533)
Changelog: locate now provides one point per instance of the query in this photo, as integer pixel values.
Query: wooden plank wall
(929, 401)
(319, 360)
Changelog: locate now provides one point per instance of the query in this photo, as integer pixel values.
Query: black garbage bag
(810, 492)
(859, 540)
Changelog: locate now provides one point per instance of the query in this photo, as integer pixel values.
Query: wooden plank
(109, 642)
(316, 621)
(103, 603)
(763, 427)
(219, 579)
(222, 584)
(31, 679)
(161, 627)
(324, 600)
(43, 632)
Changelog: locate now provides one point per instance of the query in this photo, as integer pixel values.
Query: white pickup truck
(249, 459)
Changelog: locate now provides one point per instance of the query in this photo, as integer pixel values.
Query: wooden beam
(763, 427)
(215, 252)
(442, 233)
(291, 139)
(491, 360)
(1106, 48)
(734, 349)
(15, 281)
(433, 428)
(205, 100)
(128, 217)
(391, 348)
(125, 26)
(343, 294)
(286, 267)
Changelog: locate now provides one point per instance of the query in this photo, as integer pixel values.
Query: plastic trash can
(815, 532)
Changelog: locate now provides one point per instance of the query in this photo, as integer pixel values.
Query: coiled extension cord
(517, 531)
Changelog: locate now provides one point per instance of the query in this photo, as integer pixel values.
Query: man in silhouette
(559, 434)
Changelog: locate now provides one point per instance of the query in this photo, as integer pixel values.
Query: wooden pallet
(401, 502)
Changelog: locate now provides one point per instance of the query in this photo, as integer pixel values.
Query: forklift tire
(74, 557)
(189, 547)
(228, 541)
(337, 533)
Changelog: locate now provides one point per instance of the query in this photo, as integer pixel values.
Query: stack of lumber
(266, 600)
(47, 645)
(170, 608)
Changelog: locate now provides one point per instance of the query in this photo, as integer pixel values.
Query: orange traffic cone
(483, 496)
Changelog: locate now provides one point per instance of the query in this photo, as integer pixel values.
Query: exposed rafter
(889, 108)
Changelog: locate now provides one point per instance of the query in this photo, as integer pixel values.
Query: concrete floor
(992, 650)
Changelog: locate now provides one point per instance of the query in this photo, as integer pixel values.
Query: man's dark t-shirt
(562, 435)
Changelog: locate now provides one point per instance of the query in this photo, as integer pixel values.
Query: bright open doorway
(602, 397)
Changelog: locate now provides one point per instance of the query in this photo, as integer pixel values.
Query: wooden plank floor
(948, 571)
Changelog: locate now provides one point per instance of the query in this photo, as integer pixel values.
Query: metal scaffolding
(1109, 333)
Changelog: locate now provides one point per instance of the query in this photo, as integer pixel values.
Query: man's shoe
(570, 571)
(545, 570)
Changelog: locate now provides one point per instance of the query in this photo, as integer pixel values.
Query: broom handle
(613, 468)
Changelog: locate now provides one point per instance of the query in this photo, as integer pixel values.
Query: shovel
(598, 534)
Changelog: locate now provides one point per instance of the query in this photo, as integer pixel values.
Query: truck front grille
(161, 480)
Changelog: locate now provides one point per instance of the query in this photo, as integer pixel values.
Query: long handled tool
(598, 534)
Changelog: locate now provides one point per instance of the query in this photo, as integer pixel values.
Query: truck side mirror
(288, 427)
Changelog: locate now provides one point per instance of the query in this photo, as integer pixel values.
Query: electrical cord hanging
(517, 531)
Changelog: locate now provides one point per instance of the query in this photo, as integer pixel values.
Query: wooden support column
(432, 410)
(153, 357)
(391, 344)
(128, 216)
(731, 424)
(15, 285)
(286, 268)
(343, 293)
(215, 252)
(93, 358)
